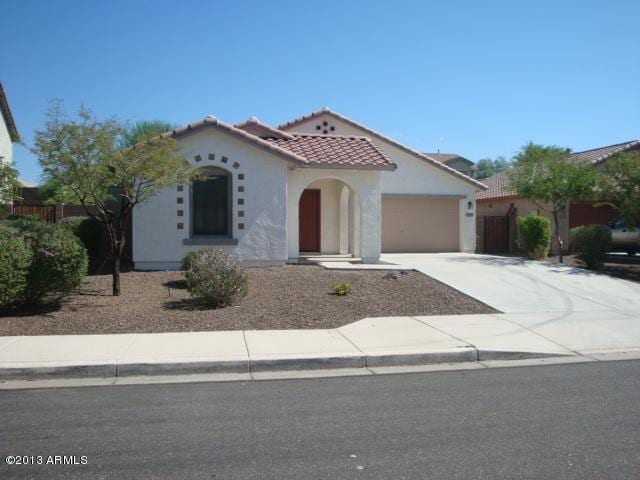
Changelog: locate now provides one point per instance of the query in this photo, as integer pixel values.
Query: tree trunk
(115, 273)
(559, 242)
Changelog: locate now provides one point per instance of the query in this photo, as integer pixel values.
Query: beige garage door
(419, 225)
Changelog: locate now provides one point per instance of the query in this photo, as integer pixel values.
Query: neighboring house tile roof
(447, 157)
(288, 125)
(8, 118)
(602, 154)
(498, 184)
(336, 151)
(497, 187)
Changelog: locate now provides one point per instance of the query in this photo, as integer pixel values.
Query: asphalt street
(579, 421)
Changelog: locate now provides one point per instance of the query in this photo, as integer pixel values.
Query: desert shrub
(15, 260)
(90, 232)
(591, 243)
(21, 216)
(535, 231)
(215, 278)
(187, 260)
(59, 260)
(342, 289)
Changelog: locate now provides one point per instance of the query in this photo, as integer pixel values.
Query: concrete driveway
(516, 285)
(579, 311)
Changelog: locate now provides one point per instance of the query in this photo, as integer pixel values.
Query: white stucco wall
(366, 186)
(158, 243)
(413, 175)
(6, 147)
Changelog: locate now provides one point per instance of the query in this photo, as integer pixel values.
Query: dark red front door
(310, 221)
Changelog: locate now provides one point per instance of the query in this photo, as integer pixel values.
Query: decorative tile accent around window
(198, 158)
(241, 201)
(241, 188)
(180, 188)
(181, 213)
(224, 159)
(241, 226)
(241, 176)
(212, 156)
(236, 165)
(180, 200)
(241, 213)
(180, 226)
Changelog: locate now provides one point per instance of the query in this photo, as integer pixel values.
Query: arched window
(211, 203)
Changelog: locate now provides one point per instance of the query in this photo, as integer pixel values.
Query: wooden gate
(496, 234)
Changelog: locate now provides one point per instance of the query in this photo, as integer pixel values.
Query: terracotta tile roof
(336, 151)
(303, 150)
(497, 187)
(261, 129)
(289, 125)
(602, 154)
(8, 118)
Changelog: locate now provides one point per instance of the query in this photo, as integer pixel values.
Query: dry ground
(279, 298)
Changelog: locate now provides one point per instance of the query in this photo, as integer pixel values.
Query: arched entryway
(329, 218)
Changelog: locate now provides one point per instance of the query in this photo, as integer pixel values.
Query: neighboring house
(8, 132)
(319, 184)
(498, 206)
(455, 161)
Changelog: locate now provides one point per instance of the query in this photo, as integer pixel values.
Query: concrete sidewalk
(372, 342)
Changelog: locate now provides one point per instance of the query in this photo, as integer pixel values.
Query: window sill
(204, 240)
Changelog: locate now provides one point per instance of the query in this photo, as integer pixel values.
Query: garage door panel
(420, 225)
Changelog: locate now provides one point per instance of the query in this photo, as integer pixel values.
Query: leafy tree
(145, 130)
(488, 167)
(550, 179)
(9, 184)
(105, 165)
(621, 184)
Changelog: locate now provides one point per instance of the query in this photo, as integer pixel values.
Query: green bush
(591, 244)
(59, 260)
(90, 232)
(188, 260)
(215, 278)
(535, 231)
(15, 260)
(342, 289)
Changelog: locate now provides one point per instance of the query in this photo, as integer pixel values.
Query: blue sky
(476, 78)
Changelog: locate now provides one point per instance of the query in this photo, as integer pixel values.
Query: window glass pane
(210, 206)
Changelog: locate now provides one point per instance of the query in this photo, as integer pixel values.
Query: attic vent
(325, 128)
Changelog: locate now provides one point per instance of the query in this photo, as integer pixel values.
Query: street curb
(457, 355)
(306, 363)
(43, 370)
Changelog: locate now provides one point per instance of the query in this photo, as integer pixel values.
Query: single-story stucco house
(321, 183)
(499, 205)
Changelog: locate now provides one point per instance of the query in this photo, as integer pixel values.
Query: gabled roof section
(602, 154)
(357, 153)
(327, 111)
(336, 151)
(8, 118)
(262, 130)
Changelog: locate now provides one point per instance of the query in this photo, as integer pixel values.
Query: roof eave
(8, 117)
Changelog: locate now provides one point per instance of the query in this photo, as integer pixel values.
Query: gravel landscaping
(295, 296)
